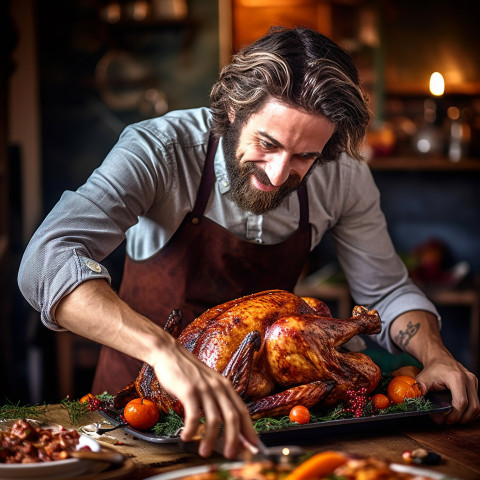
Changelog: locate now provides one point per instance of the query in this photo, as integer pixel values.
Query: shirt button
(93, 266)
(225, 183)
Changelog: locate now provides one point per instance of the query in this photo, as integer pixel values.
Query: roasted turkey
(278, 350)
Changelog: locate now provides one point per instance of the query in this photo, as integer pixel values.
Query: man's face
(270, 155)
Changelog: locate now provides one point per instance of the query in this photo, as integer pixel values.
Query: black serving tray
(309, 431)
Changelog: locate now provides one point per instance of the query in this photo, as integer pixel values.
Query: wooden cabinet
(252, 18)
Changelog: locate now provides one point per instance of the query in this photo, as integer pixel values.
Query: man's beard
(242, 192)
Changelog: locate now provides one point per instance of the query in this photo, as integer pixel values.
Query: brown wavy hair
(301, 68)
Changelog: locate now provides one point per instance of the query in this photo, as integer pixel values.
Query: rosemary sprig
(168, 425)
(17, 411)
(419, 404)
(271, 424)
(75, 409)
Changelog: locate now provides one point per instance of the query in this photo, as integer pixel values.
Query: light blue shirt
(148, 183)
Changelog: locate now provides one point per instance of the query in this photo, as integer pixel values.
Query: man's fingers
(245, 425)
(192, 411)
(212, 423)
(205, 392)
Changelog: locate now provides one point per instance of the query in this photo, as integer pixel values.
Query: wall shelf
(419, 163)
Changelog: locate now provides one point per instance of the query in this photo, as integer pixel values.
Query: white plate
(184, 472)
(400, 468)
(56, 469)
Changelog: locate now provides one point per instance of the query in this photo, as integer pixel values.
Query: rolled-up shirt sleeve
(85, 226)
(376, 275)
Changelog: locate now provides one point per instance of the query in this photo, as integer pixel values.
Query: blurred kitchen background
(75, 73)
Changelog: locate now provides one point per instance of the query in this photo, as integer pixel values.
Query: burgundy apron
(201, 266)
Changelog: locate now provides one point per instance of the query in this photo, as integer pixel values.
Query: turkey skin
(278, 350)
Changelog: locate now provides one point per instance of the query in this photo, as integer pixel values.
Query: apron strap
(304, 223)
(206, 182)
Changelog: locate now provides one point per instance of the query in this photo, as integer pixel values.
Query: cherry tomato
(380, 401)
(300, 414)
(141, 413)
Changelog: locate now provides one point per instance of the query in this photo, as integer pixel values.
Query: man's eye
(309, 156)
(266, 145)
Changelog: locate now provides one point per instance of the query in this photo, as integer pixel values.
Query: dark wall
(420, 206)
(175, 58)
(442, 205)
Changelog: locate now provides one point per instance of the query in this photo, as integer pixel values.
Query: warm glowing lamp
(428, 139)
(437, 84)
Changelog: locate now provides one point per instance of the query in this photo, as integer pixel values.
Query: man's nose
(278, 168)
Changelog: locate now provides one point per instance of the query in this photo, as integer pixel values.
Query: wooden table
(459, 447)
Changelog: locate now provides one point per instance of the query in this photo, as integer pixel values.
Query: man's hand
(417, 333)
(201, 389)
(447, 373)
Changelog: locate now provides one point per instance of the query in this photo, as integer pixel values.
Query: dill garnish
(16, 411)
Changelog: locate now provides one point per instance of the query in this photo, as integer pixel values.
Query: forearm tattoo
(404, 336)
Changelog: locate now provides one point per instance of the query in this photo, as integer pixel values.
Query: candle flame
(437, 84)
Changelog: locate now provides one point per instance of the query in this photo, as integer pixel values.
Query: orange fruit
(86, 398)
(380, 401)
(402, 387)
(408, 370)
(141, 413)
(404, 378)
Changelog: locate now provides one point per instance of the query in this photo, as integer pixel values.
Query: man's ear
(231, 114)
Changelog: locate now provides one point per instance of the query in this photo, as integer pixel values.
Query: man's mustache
(292, 181)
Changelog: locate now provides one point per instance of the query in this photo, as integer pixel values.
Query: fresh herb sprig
(75, 409)
(418, 404)
(12, 411)
(168, 425)
(271, 424)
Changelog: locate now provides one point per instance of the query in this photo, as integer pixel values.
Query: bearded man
(215, 204)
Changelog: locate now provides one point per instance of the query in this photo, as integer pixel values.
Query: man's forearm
(93, 310)
(417, 333)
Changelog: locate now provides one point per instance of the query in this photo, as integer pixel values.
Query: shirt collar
(221, 168)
